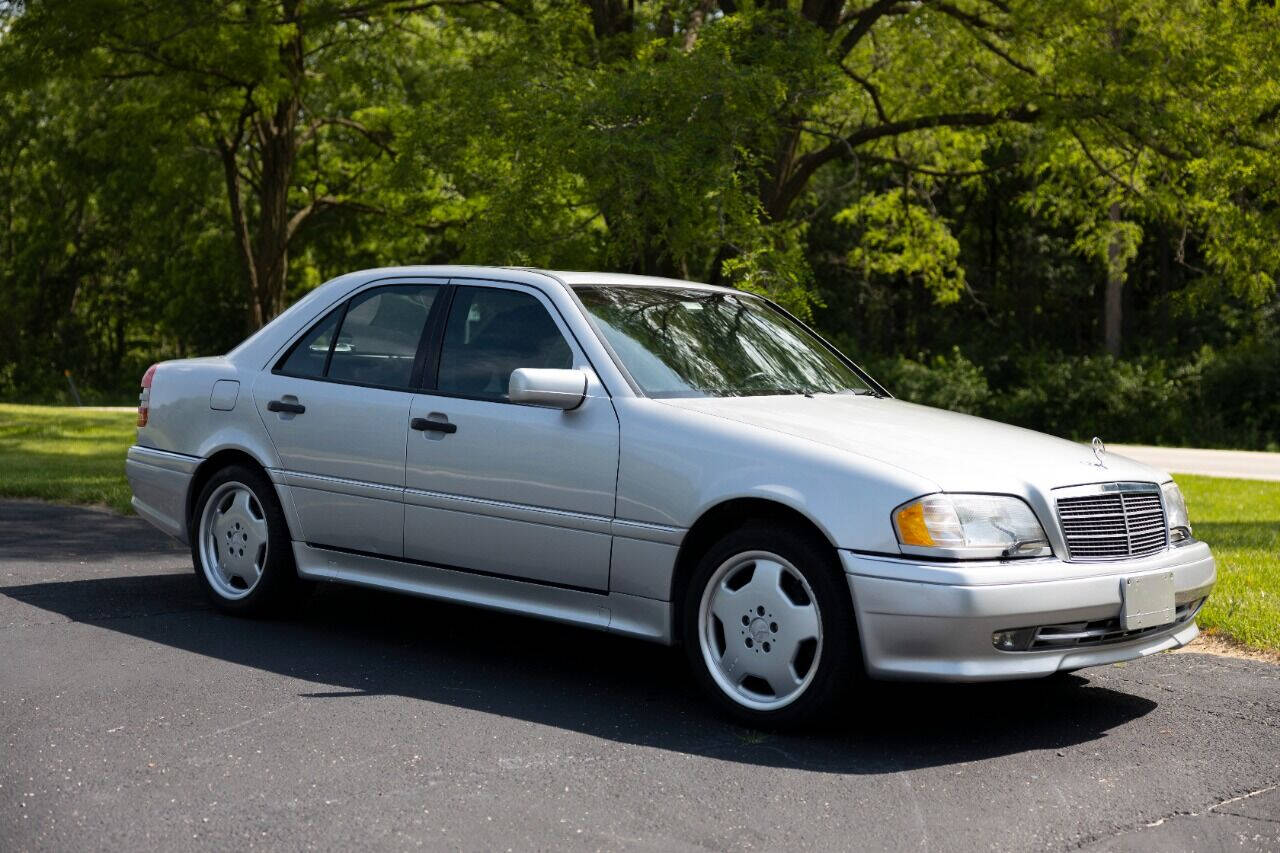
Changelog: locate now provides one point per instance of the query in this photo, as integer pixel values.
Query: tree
(1022, 180)
(685, 137)
(274, 91)
(80, 273)
(1169, 106)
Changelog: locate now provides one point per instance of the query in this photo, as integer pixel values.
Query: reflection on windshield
(695, 343)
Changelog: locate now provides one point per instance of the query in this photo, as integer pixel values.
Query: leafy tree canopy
(925, 164)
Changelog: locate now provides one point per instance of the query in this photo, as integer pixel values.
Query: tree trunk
(271, 252)
(1113, 304)
(264, 244)
(610, 17)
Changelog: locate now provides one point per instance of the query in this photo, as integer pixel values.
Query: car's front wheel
(769, 626)
(240, 543)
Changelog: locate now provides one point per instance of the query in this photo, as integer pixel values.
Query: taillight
(144, 398)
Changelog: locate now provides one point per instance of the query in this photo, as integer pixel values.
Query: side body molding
(644, 618)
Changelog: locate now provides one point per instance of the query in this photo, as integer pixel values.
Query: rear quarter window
(309, 355)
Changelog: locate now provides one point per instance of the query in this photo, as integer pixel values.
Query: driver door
(510, 489)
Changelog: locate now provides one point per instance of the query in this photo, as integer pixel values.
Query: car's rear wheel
(769, 626)
(240, 543)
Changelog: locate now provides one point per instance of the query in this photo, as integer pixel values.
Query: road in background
(1237, 464)
(132, 716)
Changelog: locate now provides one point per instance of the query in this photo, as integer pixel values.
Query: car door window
(490, 333)
(378, 341)
(376, 344)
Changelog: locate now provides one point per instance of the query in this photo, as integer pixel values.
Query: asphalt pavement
(135, 717)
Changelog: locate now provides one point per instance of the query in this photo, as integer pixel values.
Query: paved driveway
(1238, 464)
(134, 717)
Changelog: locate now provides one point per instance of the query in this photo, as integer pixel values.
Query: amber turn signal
(911, 526)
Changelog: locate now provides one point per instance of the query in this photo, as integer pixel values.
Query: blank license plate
(1146, 601)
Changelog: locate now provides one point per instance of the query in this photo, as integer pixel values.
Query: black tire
(278, 586)
(838, 665)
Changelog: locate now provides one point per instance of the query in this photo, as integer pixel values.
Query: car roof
(574, 278)
(569, 278)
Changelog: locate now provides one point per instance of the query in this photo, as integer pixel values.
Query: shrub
(1239, 396)
(1141, 401)
(1227, 398)
(953, 382)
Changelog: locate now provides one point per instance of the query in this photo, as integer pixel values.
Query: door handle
(282, 406)
(424, 425)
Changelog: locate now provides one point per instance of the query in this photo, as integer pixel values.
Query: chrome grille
(1114, 524)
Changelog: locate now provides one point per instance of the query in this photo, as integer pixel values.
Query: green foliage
(775, 266)
(900, 237)
(945, 381)
(1217, 399)
(1238, 398)
(645, 162)
(918, 178)
(1097, 395)
(1171, 120)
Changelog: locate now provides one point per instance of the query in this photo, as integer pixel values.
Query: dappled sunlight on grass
(1240, 519)
(65, 454)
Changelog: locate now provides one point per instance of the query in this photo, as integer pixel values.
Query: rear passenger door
(516, 490)
(337, 407)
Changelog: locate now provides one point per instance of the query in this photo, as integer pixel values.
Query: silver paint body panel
(541, 481)
(579, 515)
(160, 481)
(343, 459)
(561, 389)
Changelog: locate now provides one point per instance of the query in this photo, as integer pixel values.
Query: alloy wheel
(760, 630)
(233, 540)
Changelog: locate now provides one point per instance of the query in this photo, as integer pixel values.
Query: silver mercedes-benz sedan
(667, 460)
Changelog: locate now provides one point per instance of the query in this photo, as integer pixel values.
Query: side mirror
(560, 389)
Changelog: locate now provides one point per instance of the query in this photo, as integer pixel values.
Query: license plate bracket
(1146, 601)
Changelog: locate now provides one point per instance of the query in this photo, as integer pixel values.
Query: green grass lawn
(65, 454)
(1240, 519)
(77, 456)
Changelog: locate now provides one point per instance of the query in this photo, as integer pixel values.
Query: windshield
(685, 342)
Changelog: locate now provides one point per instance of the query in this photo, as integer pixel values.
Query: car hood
(958, 452)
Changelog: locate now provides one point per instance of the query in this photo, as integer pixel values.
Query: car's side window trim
(435, 336)
(363, 287)
(278, 367)
(415, 377)
(430, 379)
(428, 360)
(333, 344)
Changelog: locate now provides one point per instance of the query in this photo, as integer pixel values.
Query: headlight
(970, 527)
(1175, 513)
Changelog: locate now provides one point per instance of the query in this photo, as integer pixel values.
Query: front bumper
(934, 621)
